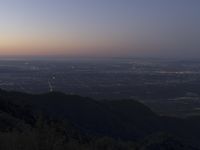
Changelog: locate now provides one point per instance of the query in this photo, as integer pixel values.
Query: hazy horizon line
(61, 57)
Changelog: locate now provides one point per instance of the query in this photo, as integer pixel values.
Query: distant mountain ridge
(124, 119)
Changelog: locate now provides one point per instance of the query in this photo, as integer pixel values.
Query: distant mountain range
(127, 120)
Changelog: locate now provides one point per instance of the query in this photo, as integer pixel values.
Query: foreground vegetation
(55, 136)
(69, 122)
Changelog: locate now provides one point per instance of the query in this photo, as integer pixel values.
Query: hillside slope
(124, 119)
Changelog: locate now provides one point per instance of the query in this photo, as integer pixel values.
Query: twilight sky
(168, 28)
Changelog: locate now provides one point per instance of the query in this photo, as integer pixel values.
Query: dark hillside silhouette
(85, 119)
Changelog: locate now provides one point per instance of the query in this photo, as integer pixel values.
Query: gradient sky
(100, 27)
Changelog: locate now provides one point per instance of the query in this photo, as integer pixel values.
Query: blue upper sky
(100, 27)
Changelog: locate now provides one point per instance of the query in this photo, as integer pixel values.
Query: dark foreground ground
(56, 121)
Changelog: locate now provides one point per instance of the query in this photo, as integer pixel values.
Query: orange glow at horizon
(59, 45)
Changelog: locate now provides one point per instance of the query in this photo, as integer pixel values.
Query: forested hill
(64, 119)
